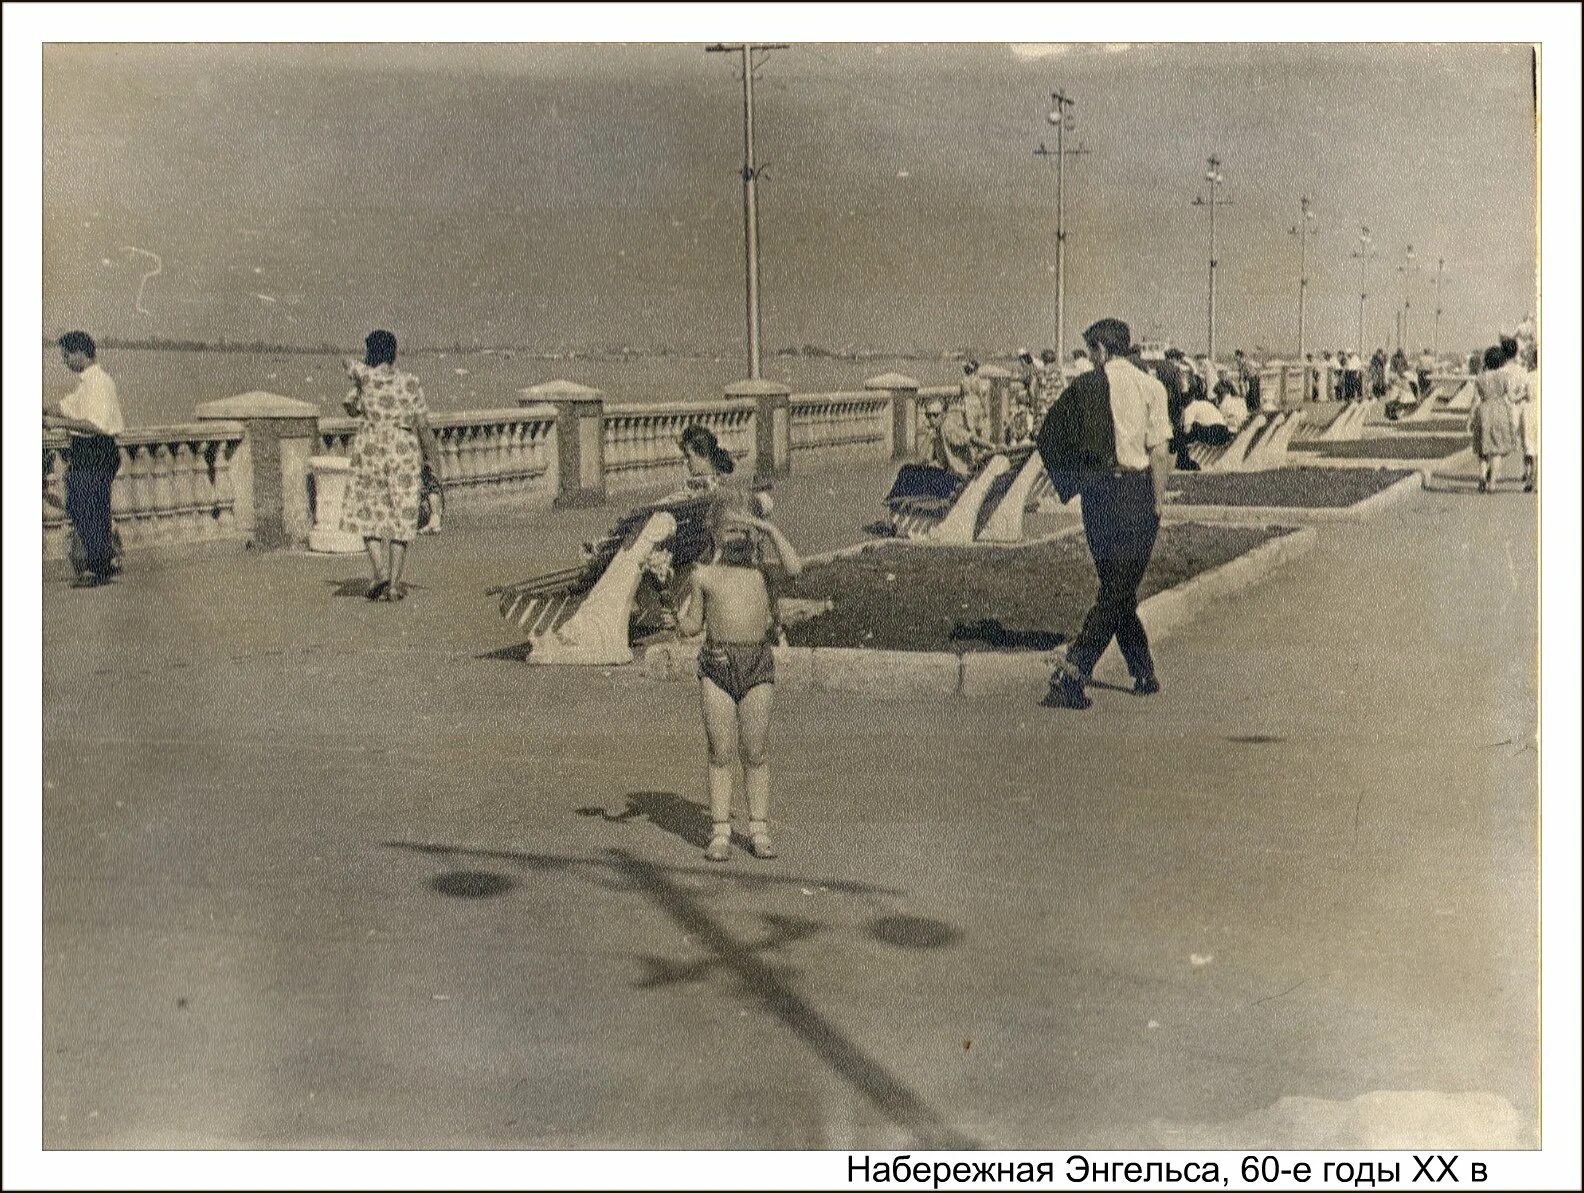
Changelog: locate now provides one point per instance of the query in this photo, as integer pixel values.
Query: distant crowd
(1206, 401)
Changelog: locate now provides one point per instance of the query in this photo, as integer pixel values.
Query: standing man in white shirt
(1106, 439)
(91, 413)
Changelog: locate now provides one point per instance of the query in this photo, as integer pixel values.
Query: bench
(582, 615)
(1349, 425)
(1230, 457)
(935, 505)
(1270, 446)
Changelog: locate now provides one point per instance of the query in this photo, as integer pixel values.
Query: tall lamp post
(1061, 117)
(1406, 270)
(1435, 342)
(750, 173)
(1306, 216)
(1363, 254)
(1215, 178)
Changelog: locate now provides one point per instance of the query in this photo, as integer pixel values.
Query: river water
(160, 386)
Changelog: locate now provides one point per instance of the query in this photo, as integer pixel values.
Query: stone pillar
(904, 411)
(772, 425)
(329, 498)
(280, 433)
(998, 400)
(580, 439)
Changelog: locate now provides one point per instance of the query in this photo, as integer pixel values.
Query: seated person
(1400, 396)
(1234, 411)
(1201, 422)
(952, 444)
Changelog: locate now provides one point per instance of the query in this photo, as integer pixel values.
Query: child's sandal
(719, 849)
(759, 839)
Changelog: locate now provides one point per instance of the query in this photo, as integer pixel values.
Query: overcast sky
(567, 196)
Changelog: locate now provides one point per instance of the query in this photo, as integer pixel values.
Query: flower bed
(1301, 488)
(893, 596)
(1404, 446)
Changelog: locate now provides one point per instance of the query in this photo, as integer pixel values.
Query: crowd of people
(1108, 425)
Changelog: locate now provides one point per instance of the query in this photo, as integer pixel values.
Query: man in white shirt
(91, 414)
(1106, 439)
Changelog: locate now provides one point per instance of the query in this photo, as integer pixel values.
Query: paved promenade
(326, 873)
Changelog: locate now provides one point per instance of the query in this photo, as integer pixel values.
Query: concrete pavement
(325, 873)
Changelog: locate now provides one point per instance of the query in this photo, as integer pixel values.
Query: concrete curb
(1163, 614)
(1295, 515)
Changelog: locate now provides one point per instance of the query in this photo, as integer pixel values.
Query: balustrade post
(280, 434)
(772, 425)
(580, 439)
(904, 411)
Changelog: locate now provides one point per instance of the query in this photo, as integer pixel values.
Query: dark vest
(1078, 435)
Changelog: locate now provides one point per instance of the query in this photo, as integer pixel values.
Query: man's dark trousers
(1120, 523)
(90, 473)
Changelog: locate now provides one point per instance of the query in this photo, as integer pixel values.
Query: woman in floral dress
(393, 441)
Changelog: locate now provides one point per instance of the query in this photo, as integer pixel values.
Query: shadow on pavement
(993, 633)
(667, 811)
(757, 982)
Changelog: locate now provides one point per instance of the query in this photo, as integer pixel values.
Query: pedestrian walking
(1106, 440)
(1425, 368)
(392, 444)
(91, 415)
(1491, 422)
(1249, 379)
(1521, 397)
(974, 398)
(1378, 382)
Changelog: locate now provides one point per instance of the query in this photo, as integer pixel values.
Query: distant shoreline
(258, 348)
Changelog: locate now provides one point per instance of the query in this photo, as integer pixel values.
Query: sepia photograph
(673, 584)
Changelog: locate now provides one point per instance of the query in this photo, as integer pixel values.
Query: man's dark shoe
(90, 580)
(1066, 692)
(1147, 686)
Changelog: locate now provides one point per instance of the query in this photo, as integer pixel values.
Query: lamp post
(1363, 254)
(750, 173)
(1061, 117)
(1215, 178)
(1435, 342)
(1301, 230)
(1406, 270)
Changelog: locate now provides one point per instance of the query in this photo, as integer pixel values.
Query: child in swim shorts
(728, 598)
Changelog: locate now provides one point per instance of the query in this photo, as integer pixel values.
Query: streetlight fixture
(750, 173)
(1306, 216)
(1215, 178)
(1363, 255)
(1062, 119)
(1435, 343)
(1408, 264)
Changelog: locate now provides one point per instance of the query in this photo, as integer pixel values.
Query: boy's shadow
(668, 811)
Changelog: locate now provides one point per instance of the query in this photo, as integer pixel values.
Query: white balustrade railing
(841, 425)
(641, 440)
(194, 482)
(175, 485)
(485, 453)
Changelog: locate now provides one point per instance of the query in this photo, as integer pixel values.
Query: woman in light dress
(388, 454)
(1491, 421)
